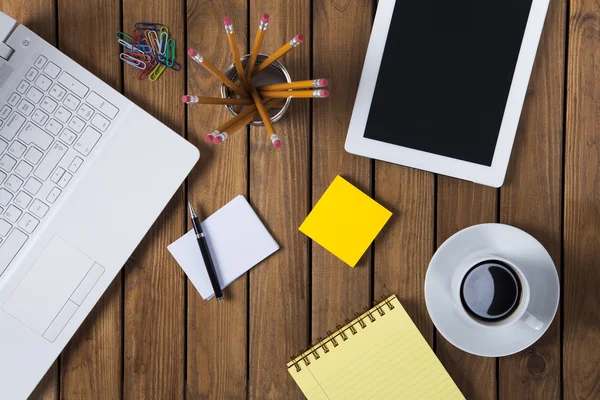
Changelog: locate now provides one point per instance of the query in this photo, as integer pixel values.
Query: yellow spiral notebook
(379, 355)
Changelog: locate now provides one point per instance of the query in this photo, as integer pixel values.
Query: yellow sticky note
(345, 221)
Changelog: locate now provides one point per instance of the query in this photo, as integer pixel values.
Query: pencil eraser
(324, 93)
(299, 37)
(192, 53)
(208, 138)
(185, 99)
(277, 143)
(265, 18)
(226, 21)
(323, 82)
(217, 139)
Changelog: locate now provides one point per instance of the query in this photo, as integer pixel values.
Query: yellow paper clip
(157, 72)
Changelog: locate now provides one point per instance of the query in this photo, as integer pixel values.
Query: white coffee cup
(520, 313)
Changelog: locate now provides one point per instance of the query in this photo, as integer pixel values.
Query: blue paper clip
(152, 26)
(170, 55)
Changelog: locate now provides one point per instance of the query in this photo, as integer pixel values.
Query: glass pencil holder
(274, 73)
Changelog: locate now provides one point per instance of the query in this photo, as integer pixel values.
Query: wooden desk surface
(153, 337)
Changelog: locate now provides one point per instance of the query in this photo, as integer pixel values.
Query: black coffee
(490, 291)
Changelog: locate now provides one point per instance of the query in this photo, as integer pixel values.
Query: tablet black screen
(445, 76)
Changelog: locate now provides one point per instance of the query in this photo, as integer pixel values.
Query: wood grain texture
(581, 274)
(279, 179)
(40, 17)
(404, 247)
(216, 338)
(339, 46)
(91, 364)
(461, 204)
(531, 199)
(154, 320)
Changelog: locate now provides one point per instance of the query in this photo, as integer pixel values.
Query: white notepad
(237, 241)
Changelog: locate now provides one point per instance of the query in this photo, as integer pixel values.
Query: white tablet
(443, 85)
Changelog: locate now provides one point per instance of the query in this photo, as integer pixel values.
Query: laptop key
(13, 183)
(12, 213)
(33, 186)
(7, 163)
(40, 62)
(12, 126)
(40, 117)
(5, 197)
(17, 149)
(23, 199)
(56, 153)
(49, 105)
(87, 141)
(25, 107)
(62, 114)
(13, 100)
(31, 74)
(53, 195)
(4, 227)
(33, 155)
(100, 104)
(28, 223)
(57, 92)
(52, 70)
(34, 95)
(5, 111)
(23, 169)
(31, 134)
(68, 81)
(22, 88)
(43, 83)
(38, 208)
(54, 127)
(10, 247)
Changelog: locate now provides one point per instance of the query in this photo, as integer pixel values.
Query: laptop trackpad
(48, 285)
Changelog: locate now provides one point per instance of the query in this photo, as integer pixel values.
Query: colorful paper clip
(170, 53)
(134, 62)
(157, 72)
(148, 25)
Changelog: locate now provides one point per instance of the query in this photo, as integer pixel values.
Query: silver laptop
(84, 173)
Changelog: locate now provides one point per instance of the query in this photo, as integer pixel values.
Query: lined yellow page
(387, 359)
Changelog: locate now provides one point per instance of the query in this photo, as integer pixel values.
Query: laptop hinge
(7, 26)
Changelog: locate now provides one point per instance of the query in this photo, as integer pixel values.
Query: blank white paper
(237, 241)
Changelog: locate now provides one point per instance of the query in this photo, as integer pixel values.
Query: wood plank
(279, 179)
(91, 365)
(461, 204)
(154, 320)
(531, 200)
(217, 342)
(339, 46)
(581, 314)
(40, 17)
(404, 247)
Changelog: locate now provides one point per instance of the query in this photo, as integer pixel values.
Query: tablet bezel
(492, 175)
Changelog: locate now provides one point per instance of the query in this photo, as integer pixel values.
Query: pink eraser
(299, 37)
(192, 53)
(277, 144)
(324, 93)
(185, 99)
(217, 139)
(226, 21)
(323, 82)
(265, 18)
(208, 138)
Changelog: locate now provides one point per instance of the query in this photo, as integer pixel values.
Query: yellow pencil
(296, 40)
(315, 83)
(262, 27)
(265, 118)
(300, 94)
(215, 100)
(213, 70)
(232, 128)
(235, 51)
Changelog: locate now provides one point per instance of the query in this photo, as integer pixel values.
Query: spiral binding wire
(372, 314)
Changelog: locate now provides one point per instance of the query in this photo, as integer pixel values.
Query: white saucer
(509, 243)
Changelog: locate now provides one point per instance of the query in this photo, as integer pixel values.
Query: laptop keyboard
(48, 127)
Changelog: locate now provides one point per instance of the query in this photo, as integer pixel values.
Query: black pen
(210, 267)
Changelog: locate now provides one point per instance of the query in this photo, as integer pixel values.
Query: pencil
(232, 128)
(235, 51)
(214, 100)
(265, 118)
(300, 94)
(213, 70)
(262, 27)
(315, 83)
(296, 40)
(247, 111)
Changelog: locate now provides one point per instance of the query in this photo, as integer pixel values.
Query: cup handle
(532, 321)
